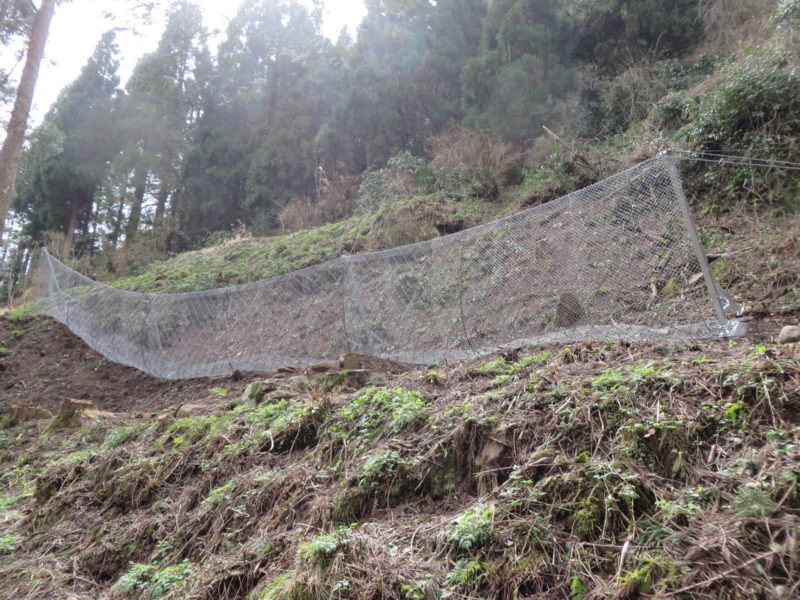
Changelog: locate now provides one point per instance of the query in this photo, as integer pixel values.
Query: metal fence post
(675, 179)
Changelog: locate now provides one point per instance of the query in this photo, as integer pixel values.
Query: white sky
(78, 25)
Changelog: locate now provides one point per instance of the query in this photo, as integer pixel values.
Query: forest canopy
(201, 140)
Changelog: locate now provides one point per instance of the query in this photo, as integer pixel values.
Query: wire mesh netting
(617, 260)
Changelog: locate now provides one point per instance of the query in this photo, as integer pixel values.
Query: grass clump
(285, 424)
(644, 376)
(151, 581)
(324, 547)
(503, 368)
(192, 429)
(395, 409)
(119, 437)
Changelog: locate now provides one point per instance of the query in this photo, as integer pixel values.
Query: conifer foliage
(203, 140)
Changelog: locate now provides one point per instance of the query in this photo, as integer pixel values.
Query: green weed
(118, 437)
(474, 528)
(324, 547)
(8, 544)
(169, 578)
(403, 409)
(469, 574)
(135, 578)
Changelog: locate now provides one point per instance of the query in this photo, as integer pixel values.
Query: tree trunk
(174, 207)
(161, 207)
(15, 132)
(17, 269)
(116, 232)
(71, 227)
(139, 181)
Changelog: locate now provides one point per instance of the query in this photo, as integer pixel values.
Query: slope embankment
(587, 471)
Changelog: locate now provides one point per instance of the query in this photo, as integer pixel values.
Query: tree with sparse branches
(15, 132)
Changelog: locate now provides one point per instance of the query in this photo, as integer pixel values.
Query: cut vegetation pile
(589, 471)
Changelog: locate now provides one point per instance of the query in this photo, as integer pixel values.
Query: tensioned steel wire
(617, 260)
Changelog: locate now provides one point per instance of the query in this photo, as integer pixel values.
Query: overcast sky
(78, 25)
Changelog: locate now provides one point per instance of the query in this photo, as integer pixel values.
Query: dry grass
(732, 25)
(333, 203)
(479, 151)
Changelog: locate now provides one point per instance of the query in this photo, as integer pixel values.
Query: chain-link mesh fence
(617, 260)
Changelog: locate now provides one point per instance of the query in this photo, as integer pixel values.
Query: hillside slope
(589, 471)
(582, 472)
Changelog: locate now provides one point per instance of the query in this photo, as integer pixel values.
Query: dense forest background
(281, 128)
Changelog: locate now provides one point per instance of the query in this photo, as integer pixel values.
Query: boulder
(297, 384)
(789, 335)
(254, 393)
(350, 361)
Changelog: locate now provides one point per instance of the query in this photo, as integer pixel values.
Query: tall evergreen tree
(69, 154)
(164, 98)
(522, 69)
(252, 148)
(403, 78)
(613, 33)
(16, 19)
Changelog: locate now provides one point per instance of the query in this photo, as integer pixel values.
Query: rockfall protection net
(617, 260)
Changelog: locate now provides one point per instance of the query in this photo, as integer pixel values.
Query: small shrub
(669, 112)
(628, 97)
(333, 202)
(380, 467)
(399, 179)
(754, 111)
(473, 529)
(324, 547)
(481, 161)
(469, 574)
(169, 578)
(8, 544)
